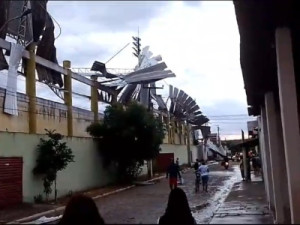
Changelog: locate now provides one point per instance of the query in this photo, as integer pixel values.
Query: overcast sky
(198, 40)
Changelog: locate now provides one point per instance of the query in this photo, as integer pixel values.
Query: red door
(11, 169)
(163, 161)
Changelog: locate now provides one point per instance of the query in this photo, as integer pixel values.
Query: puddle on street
(222, 173)
(204, 213)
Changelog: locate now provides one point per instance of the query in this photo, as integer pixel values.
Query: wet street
(145, 204)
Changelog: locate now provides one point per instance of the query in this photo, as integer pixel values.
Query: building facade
(270, 54)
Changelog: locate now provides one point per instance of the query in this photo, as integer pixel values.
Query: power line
(60, 29)
(229, 115)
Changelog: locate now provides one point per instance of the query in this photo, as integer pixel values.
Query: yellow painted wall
(50, 115)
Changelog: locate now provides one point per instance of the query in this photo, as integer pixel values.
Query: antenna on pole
(137, 45)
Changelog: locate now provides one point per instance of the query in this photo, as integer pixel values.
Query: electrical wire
(60, 29)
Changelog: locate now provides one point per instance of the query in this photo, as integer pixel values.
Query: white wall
(180, 151)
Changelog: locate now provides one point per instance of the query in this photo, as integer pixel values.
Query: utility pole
(218, 135)
(94, 98)
(244, 157)
(188, 143)
(68, 96)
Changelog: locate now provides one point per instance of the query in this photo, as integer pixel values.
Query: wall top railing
(87, 71)
(48, 103)
(50, 65)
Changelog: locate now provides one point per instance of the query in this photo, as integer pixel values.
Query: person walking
(196, 165)
(178, 210)
(177, 161)
(242, 169)
(203, 170)
(172, 173)
(254, 164)
(258, 163)
(198, 176)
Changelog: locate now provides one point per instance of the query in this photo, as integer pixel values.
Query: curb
(113, 192)
(38, 215)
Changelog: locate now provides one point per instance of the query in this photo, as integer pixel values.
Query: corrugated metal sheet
(160, 102)
(179, 103)
(11, 169)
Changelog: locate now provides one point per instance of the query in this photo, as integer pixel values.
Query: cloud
(192, 3)
(105, 16)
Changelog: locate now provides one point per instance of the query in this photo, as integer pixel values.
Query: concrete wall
(85, 173)
(180, 151)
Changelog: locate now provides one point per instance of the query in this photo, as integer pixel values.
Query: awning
(249, 143)
(257, 21)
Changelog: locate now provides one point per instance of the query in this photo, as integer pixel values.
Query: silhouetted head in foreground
(81, 209)
(178, 209)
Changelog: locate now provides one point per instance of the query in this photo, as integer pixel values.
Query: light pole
(218, 135)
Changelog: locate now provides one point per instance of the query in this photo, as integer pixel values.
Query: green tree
(53, 156)
(127, 137)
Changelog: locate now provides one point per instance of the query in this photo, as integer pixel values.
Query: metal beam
(160, 67)
(48, 64)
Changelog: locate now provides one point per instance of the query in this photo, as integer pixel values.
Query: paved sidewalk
(245, 204)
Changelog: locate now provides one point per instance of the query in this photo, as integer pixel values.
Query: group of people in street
(201, 172)
(82, 209)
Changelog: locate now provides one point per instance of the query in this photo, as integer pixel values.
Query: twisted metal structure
(36, 27)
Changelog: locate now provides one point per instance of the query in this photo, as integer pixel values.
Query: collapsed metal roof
(39, 28)
(133, 85)
(184, 107)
